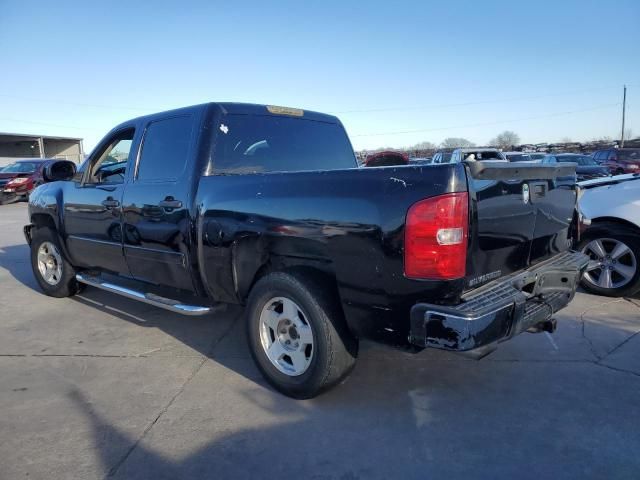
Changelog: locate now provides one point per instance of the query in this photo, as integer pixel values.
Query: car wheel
(297, 335)
(614, 265)
(55, 275)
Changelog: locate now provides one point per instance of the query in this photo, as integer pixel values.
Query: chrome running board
(155, 300)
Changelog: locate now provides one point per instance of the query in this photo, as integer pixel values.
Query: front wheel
(55, 275)
(297, 335)
(614, 260)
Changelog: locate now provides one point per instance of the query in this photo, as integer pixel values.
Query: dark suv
(619, 160)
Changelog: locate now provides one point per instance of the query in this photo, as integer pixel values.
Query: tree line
(505, 139)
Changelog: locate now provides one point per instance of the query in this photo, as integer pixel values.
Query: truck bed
(350, 225)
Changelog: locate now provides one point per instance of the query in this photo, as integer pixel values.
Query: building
(19, 145)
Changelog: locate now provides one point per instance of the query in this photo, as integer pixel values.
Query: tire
(55, 275)
(315, 317)
(621, 247)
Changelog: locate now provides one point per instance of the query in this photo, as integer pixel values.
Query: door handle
(169, 202)
(111, 203)
(538, 189)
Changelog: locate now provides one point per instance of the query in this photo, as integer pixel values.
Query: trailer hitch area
(527, 284)
(548, 326)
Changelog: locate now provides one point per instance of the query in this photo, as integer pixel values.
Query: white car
(612, 240)
(518, 156)
(470, 154)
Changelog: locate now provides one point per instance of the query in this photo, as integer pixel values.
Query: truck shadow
(397, 415)
(324, 445)
(17, 261)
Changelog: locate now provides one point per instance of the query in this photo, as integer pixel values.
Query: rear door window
(263, 143)
(165, 149)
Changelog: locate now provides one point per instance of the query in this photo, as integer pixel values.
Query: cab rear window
(264, 143)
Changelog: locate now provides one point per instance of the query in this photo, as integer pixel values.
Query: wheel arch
(46, 220)
(319, 271)
(600, 221)
(40, 220)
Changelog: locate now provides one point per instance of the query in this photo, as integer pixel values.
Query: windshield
(583, 160)
(20, 167)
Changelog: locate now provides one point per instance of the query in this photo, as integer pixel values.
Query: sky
(396, 73)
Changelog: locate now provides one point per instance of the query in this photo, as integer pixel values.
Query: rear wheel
(55, 275)
(614, 265)
(297, 335)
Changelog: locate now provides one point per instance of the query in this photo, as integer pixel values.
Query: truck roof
(244, 109)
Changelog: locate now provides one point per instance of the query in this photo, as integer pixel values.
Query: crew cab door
(156, 215)
(93, 206)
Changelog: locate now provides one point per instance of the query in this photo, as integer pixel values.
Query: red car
(386, 159)
(619, 160)
(18, 179)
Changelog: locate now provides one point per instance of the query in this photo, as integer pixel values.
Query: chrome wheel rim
(286, 336)
(612, 263)
(49, 263)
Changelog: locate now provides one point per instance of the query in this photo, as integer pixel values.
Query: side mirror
(59, 170)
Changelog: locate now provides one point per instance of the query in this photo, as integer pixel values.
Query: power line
(42, 123)
(363, 110)
(76, 104)
(479, 102)
(499, 122)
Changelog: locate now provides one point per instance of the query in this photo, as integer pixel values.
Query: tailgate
(520, 215)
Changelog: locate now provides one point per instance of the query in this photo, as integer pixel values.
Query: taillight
(435, 239)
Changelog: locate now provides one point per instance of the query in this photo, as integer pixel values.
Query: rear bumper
(500, 310)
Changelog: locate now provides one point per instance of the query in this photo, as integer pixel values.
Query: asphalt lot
(99, 386)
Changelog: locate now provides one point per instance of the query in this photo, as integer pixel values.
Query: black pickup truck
(265, 206)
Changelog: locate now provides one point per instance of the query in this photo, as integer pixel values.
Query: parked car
(536, 156)
(264, 206)
(477, 154)
(587, 167)
(18, 179)
(386, 158)
(420, 160)
(517, 156)
(442, 157)
(612, 239)
(619, 160)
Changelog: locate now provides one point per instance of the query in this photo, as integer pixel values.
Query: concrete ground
(99, 386)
